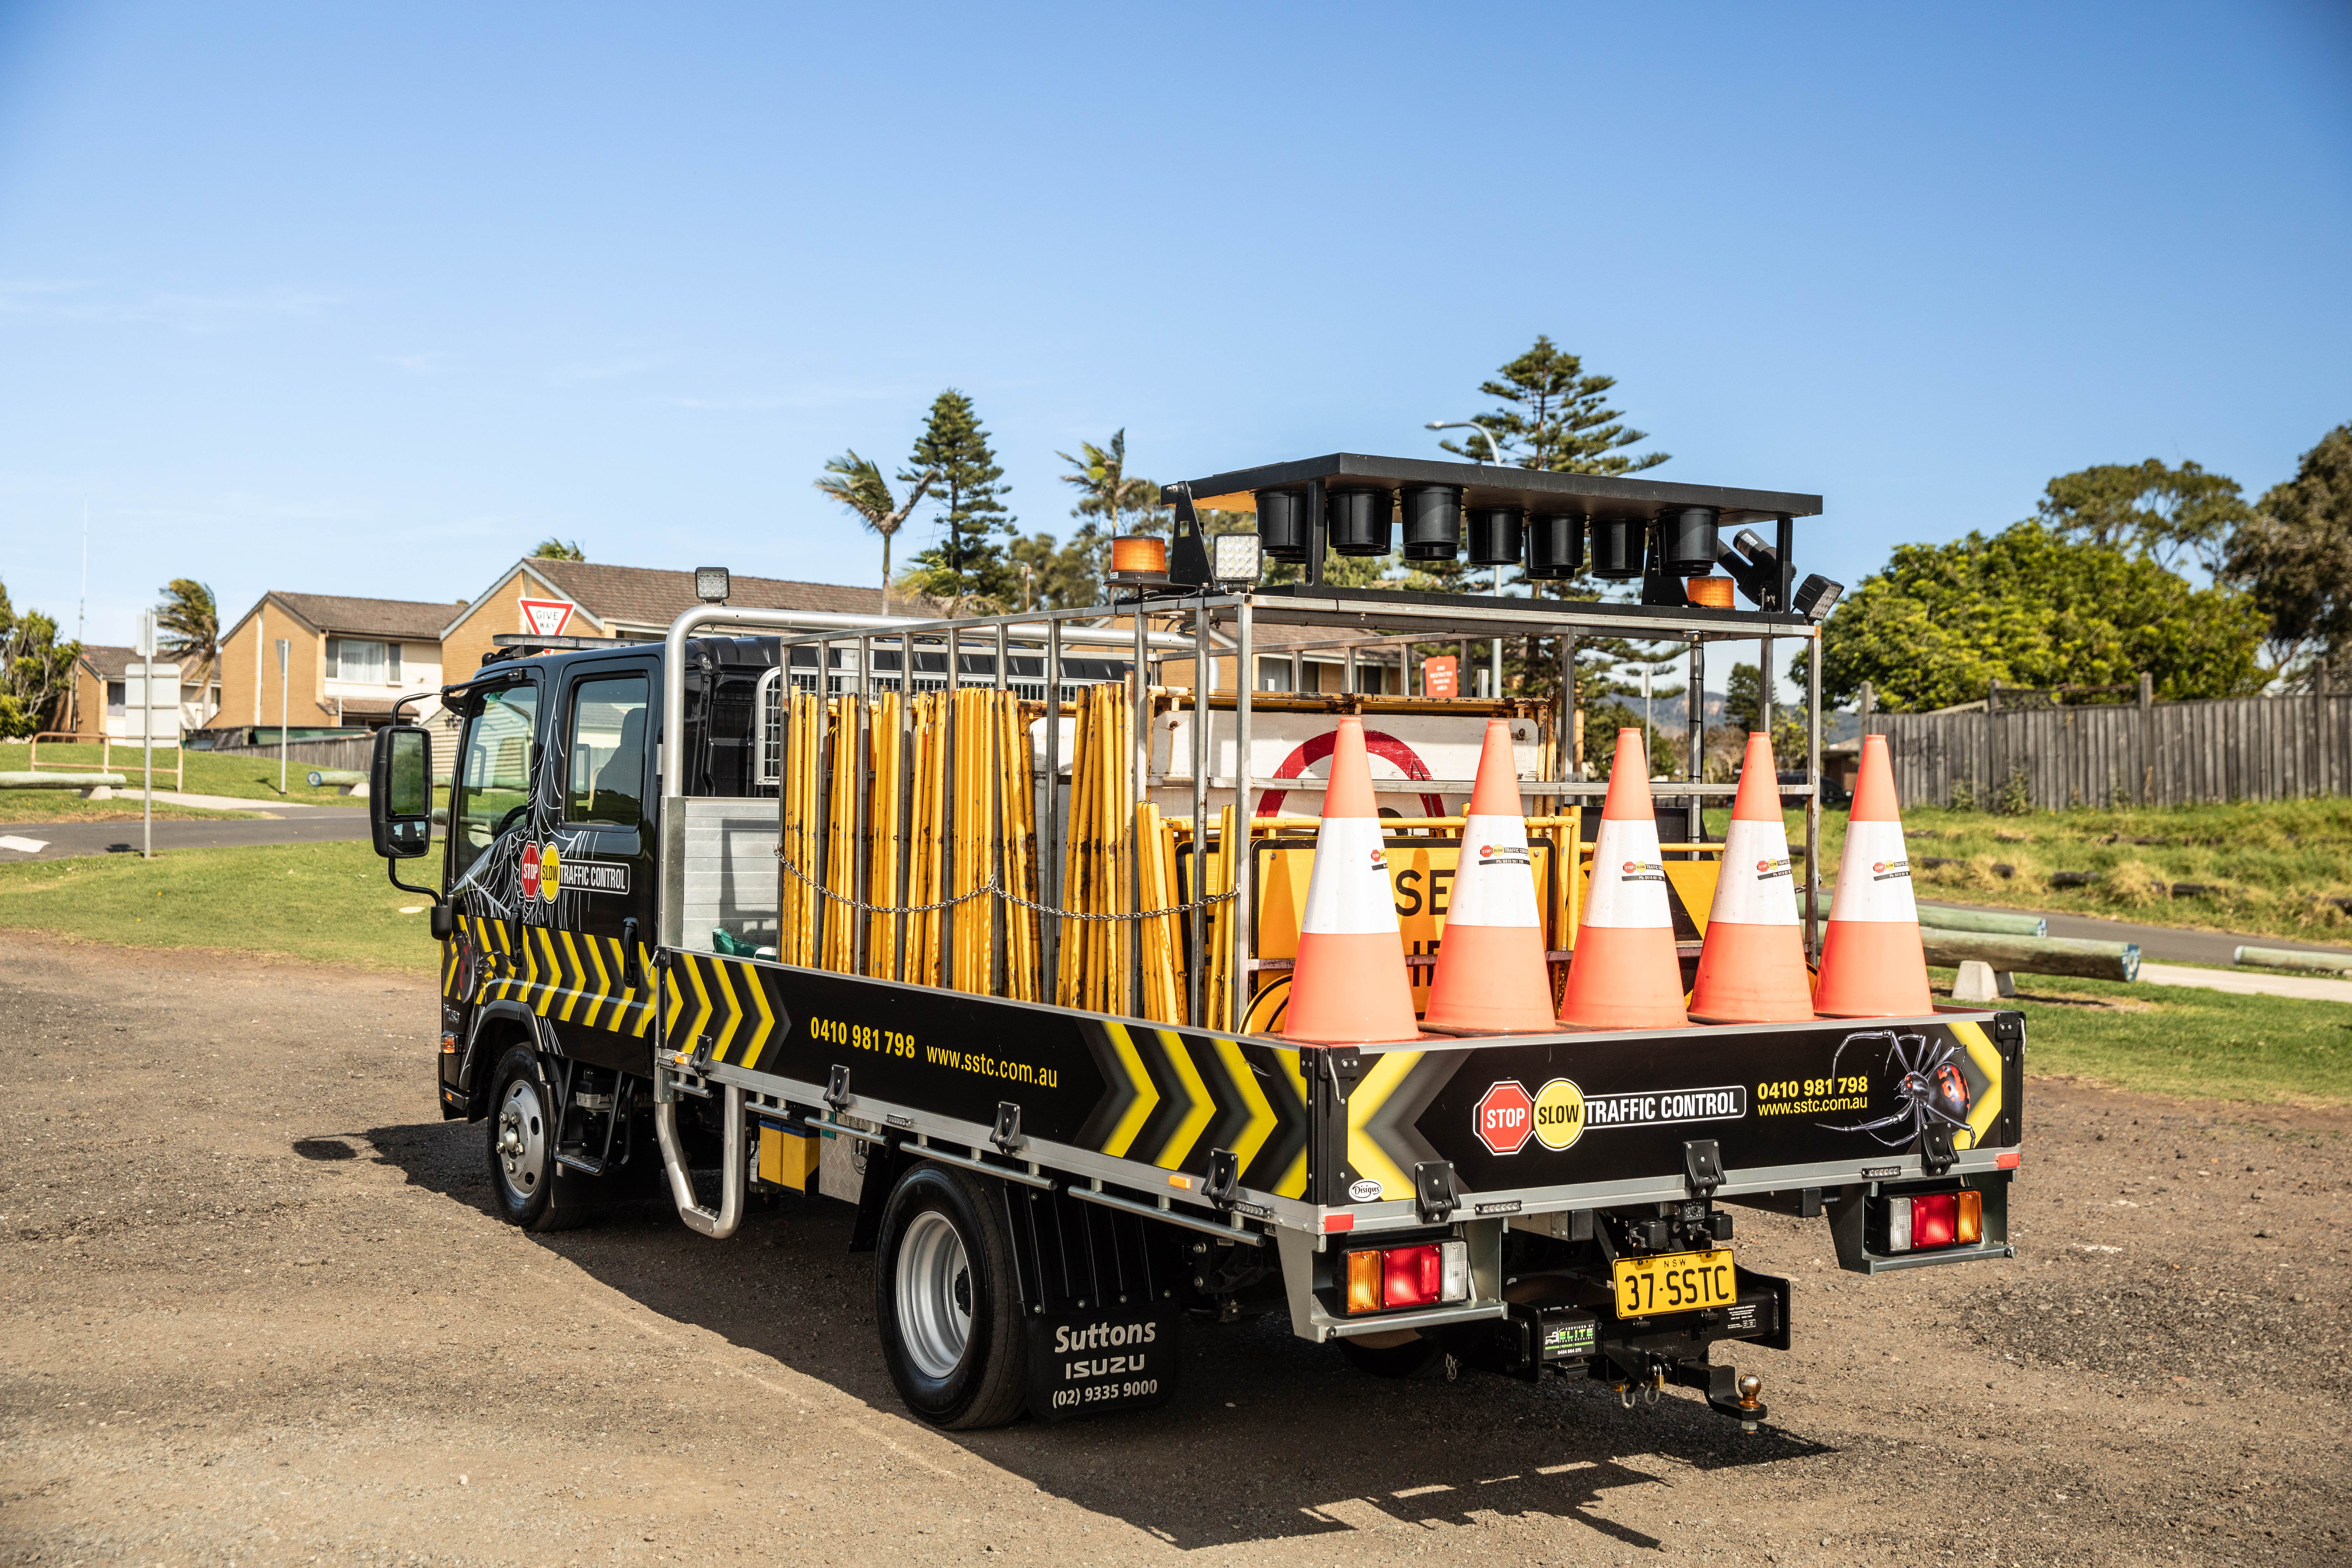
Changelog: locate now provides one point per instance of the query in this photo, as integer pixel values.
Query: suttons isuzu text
(1101, 958)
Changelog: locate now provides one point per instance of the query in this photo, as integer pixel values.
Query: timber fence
(2142, 753)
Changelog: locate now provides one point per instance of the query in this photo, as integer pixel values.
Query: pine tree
(968, 564)
(1558, 417)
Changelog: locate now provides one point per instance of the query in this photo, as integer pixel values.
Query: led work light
(1236, 560)
(711, 585)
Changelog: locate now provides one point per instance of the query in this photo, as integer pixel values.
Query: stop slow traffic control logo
(1506, 1118)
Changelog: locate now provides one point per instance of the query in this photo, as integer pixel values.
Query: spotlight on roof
(1236, 560)
(711, 585)
(1817, 596)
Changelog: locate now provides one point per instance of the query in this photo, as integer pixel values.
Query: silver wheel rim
(934, 1292)
(522, 1134)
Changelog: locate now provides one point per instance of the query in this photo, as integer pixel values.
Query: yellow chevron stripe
(1138, 1111)
(1262, 1122)
(1366, 1157)
(645, 1002)
(1293, 1184)
(752, 982)
(689, 1041)
(574, 977)
(1986, 1110)
(731, 1014)
(602, 990)
(544, 987)
(1188, 1131)
(676, 988)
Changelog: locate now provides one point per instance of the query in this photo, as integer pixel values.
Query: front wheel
(947, 1299)
(523, 1123)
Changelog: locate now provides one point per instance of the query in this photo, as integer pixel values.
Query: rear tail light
(1426, 1274)
(1934, 1219)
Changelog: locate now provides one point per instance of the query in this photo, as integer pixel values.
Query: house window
(114, 699)
(1274, 673)
(363, 661)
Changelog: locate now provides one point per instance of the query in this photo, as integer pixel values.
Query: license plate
(1674, 1282)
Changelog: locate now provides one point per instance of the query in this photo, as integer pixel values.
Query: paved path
(2248, 983)
(2163, 944)
(58, 840)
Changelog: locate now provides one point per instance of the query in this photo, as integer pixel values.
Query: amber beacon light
(1138, 559)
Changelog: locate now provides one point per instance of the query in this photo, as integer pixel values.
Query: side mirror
(400, 792)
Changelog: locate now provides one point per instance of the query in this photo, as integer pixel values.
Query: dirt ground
(256, 1310)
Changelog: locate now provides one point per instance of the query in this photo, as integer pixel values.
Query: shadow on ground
(1267, 1437)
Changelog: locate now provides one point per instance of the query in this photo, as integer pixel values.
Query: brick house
(102, 679)
(582, 598)
(349, 660)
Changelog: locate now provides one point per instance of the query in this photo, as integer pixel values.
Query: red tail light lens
(1409, 1276)
(1934, 1219)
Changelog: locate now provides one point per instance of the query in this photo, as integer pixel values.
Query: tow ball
(1728, 1393)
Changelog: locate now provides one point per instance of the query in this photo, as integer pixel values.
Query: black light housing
(1817, 596)
(1555, 545)
(1498, 536)
(712, 584)
(1282, 524)
(1432, 522)
(1752, 564)
(1617, 544)
(1361, 521)
(1686, 540)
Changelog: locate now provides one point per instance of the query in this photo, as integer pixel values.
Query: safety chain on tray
(991, 886)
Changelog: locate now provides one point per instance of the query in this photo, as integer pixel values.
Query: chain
(991, 886)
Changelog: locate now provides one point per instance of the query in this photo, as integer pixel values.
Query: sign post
(283, 647)
(147, 732)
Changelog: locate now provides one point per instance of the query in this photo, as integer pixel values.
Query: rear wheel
(947, 1301)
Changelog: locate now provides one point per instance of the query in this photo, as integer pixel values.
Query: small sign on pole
(284, 647)
(1440, 676)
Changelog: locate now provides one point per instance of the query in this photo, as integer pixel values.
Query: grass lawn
(2176, 1039)
(245, 776)
(326, 902)
(2272, 864)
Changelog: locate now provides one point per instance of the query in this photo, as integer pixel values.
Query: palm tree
(1106, 489)
(190, 623)
(554, 549)
(858, 485)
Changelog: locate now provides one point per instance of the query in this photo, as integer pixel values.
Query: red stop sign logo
(1506, 1118)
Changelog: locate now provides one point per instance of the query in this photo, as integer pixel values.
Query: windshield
(493, 783)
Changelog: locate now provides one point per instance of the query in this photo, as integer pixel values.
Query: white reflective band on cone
(1493, 884)
(1874, 876)
(1349, 893)
(1755, 888)
(1629, 877)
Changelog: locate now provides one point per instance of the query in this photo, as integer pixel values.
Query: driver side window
(494, 780)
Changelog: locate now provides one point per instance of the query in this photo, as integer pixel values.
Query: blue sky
(370, 300)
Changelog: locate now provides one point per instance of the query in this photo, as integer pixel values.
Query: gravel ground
(257, 1311)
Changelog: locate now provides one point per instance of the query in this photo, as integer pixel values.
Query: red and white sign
(1506, 1118)
(529, 871)
(547, 618)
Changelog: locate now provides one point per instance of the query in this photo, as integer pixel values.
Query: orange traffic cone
(1491, 975)
(1752, 969)
(1625, 973)
(1348, 986)
(1872, 964)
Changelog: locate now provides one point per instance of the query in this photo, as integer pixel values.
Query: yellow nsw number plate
(1674, 1282)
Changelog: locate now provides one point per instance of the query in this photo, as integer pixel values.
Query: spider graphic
(1929, 1086)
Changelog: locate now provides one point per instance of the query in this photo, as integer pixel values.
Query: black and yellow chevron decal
(568, 976)
(1176, 1094)
(719, 1005)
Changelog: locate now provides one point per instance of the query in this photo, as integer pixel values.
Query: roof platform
(1601, 496)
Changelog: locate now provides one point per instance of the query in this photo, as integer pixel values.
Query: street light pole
(147, 732)
(1495, 447)
(283, 647)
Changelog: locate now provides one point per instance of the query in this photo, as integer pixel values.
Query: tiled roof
(419, 622)
(107, 663)
(648, 596)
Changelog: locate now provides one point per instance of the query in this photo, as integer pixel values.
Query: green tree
(2030, 607)
(35, 671)
(554, 549)
(2294, 557)
(2166, 514)
(189, 621)
(1054, 575)
(1558, 417)
(968, 566)
(1743, 707)
(857, 483)
(1112, 501)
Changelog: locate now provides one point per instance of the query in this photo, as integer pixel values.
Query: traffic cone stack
(1872, 964)
(1625, 973)
(1491, 975)
(1348, 985)
(1752, 968)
